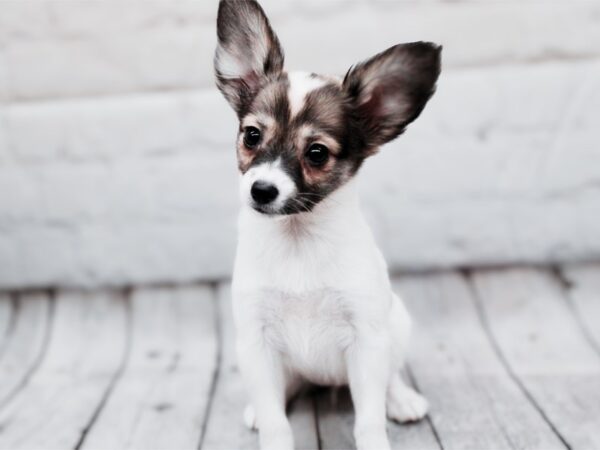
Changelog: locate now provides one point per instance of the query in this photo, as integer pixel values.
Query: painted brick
(116, 151)
(145, 53)
(3, 139)
(3, 78)
(120, 127)
(493, 172)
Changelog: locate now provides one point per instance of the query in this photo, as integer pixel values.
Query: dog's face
(301, 136)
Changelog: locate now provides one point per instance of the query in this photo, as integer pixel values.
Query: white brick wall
(116, 155)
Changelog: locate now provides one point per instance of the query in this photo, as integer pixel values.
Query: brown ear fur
(389, 90)
(247, 54)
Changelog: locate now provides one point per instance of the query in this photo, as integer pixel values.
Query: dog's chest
(312, 330)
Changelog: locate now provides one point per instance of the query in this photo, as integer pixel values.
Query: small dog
(311, 294)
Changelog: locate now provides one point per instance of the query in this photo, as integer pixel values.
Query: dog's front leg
(265, 379)
(368, 375)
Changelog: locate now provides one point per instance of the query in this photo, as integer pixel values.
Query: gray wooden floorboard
(225, 429)
(161, 399)
(583, 293)
(474, 402)
(508, 358)
(336, 419)
(544, 346)
(25, 345)
(6, 319)
(83, 352)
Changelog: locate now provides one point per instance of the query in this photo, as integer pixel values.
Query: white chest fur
(304, 283)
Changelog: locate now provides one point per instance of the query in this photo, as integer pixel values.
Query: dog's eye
(251, 137)
(317, 155)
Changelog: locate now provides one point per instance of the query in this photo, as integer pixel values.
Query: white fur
(301, 83)
(270, 172)
(229, 65)
(313, 302)
(237, 62)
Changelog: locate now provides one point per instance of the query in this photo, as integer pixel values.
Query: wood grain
(161, 399)
(6, 316)
(545, 348)
(24, 347)
(508, 359)
(225, 429)
(583, 292)
(84, 351)
(474, 402)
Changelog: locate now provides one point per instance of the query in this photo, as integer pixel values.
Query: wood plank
(225, 428)
(583, 285)
(230, 399)
(474, 402)
(301, 412)
(161, 399)
(25, 345)
(335, 414)
(86, 347)
(545, 348)
(6, 317)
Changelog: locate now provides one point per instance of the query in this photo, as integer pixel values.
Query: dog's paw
(407, 406)
(250, 418)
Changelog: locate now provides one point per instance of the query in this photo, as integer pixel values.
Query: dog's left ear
(389, 91)
(248, 52)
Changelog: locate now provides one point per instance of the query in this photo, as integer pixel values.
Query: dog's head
(301, 136)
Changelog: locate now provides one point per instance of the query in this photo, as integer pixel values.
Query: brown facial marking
(266, 125)
(267, 113)
(324, 110)
(352, 117)
(306, 135)
(322, 119)
(245, 156)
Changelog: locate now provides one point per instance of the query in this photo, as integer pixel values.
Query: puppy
(311, 295)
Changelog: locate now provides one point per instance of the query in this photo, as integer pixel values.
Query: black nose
(263, 192)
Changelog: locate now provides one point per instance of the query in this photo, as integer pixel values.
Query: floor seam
(126, 297)
(496, 347)
(218, 323)
(412, 379)
(51, 299)
(12, 321)
(566, 287)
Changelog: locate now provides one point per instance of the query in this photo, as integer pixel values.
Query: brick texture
(116, 151)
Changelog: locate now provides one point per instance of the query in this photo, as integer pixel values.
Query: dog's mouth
(290, 207)
(270, 211)
(266, 210)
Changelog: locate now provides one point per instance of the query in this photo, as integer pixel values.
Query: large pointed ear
(390, 90)
(248, 52)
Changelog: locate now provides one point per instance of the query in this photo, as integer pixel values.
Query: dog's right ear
(248, 52)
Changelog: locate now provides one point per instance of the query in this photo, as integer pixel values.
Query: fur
(312, 298)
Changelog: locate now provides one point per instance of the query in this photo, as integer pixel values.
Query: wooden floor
(508, 358)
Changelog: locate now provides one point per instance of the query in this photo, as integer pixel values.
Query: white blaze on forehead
(273, 173)
(301, 83)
